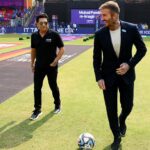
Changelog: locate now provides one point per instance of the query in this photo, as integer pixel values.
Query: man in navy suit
(114, 66)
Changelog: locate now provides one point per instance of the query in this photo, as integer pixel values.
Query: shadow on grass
(106, 148)
(109, 147)
(21, 132)
(7, 125)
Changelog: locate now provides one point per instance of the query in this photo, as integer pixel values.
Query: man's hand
(59, 55)
(54, 63)
(124, 67)
(101, 84)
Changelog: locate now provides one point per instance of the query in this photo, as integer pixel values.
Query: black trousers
(39, 74)
(126, 99)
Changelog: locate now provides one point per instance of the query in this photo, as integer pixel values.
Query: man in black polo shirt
(44, 61)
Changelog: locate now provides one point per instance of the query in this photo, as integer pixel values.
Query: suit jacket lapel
(123, 38)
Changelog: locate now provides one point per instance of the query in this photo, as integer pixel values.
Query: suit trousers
(39, 74)
(126, 99)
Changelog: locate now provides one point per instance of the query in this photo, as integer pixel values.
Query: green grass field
(83, 110)
(14, 38)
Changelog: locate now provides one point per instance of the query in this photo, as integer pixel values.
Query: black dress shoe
(123, 130)
(116, 144)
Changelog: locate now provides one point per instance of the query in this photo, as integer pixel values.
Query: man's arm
(140, 48)
(97, 62)
(140, 52)
(59, 55)
(97, 58)
(33, 56)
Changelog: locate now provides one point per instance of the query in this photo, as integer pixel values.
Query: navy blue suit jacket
(105, 60)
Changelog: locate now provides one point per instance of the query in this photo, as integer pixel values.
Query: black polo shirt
(46, 47)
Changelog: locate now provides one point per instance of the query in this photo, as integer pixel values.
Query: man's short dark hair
(111, 5)
(43, 15)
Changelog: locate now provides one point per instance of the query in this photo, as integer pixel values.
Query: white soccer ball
(86, 141)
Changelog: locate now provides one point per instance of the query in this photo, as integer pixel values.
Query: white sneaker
(56, 111)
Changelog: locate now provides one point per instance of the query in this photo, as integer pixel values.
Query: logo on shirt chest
(48, 40)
